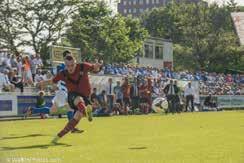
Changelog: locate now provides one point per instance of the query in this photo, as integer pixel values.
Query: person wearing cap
(40, 107)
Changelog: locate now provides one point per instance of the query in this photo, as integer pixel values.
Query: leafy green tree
(207, 30)
(10, 32)
(32, 23)
(44, 21)
(100, 34)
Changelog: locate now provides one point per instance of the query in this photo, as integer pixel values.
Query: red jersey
(78, 81)
(126, 90)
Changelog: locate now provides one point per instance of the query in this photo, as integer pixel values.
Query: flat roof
(159, 39)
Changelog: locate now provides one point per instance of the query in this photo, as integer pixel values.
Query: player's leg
(80, 106)
(64, 110)
(70, 115)
(68, 127)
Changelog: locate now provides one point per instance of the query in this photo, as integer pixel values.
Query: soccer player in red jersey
(77, 82)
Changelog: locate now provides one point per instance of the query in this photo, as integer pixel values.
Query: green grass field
(213, 137)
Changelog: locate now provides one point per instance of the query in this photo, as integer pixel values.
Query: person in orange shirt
(143, 91)
(149, 92)
(27, 76)
(126, 95)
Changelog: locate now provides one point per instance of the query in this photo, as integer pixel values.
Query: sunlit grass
(213, 137)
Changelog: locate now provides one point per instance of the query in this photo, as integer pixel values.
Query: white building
(157, 52)
(113, 5)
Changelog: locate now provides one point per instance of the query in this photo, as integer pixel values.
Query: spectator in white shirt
(33, 63)
(39, 76)
(189, 95)
(5, 83)
(38, 61)
(110, 94)
(13, 61)
(2, 81)
(7, 61)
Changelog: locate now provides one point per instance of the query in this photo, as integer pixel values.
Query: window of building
(134, 2)
(152, 1)
(129, 2)
(141, 2)
(141, 10)
(148, 51)
(125, 11)
(147, 1)
(158, 52)
(124, 2)
(129, 10)
(134, 10)
(157, 1)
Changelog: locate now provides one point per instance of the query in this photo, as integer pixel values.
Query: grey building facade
(137, 7)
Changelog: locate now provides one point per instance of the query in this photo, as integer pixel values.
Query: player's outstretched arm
(97, 67)
(44, 83)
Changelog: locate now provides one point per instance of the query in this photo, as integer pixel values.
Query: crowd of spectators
(133, 94)
(17, 71)
(214, 83)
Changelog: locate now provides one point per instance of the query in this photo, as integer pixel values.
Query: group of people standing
(136, 96)
(124, 97)
(172, 92)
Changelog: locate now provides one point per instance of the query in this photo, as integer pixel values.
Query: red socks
(72, 123)
(81, 107)
(70, 126)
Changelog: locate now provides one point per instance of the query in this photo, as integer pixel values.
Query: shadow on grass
(41, 146)
(137, 148)
(25, 136)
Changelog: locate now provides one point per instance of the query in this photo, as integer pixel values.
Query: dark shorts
(126, 100)
(120, 101)
(71, 99)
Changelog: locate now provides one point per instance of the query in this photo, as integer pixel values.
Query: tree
(206, 30)
(86, 25)
(32, 23)
(10, 32)
(100, 34)
(44, 21)
(232, 5)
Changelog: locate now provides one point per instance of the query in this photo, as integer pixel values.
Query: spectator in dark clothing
(16, 80)
(177, 98)
(94, 95)
(209, 101)
(103, 105)
(171, 91)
